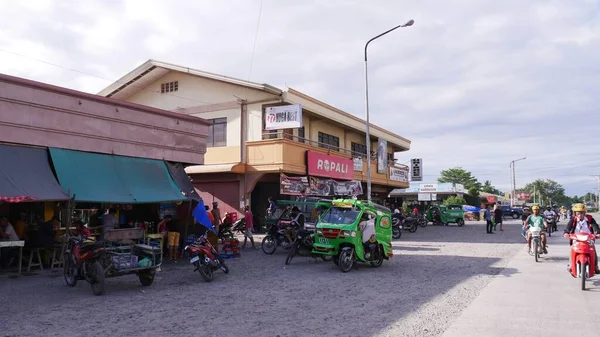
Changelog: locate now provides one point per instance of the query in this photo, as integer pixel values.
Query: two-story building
(246, 161)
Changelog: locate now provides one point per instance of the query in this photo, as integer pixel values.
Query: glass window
(328, 141)
(384, 222)
(301, 134)
(358, 148)
(217, 133)
(339, 215)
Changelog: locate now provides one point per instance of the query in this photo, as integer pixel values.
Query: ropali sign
(323, 165)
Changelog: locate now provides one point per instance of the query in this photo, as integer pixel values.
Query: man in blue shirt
(488, 219)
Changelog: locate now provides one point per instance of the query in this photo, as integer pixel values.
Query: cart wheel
(146, 278)
(460, 222)
(98, 276)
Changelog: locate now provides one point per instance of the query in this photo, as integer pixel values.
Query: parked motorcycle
(239, 227)
(410, 224)
(422, 220)
(205, 258)
(275, 238)
(537, 248)
(303, 246)
(82, 261)
(396, 227)
(583, 257)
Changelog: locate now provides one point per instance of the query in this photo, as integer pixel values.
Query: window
(329, 141)
(358, 148)
(384, 222)
(217, 132)
(169, 87)
(390, 157)
(301, 134)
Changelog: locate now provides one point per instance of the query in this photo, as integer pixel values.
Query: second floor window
(329, 141)
(301, 134)
(358, 148)
(217, 132)
(169, 87)
(390, 157)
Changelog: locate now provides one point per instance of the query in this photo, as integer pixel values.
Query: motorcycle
(583, 257)
(82, 261)
(537, 248)
(303, 246)
(422, 220)
(205, 258)
(396, 227)
(275, 238)
(551, 220)
(239, 227)
(410, 224)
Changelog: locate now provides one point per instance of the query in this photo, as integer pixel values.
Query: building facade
(245, 161)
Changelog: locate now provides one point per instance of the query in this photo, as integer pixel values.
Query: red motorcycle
(205, 258)
(82, 261)
(583, 256)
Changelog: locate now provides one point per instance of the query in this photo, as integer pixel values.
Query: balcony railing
(283, 135)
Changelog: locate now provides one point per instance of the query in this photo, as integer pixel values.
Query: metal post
(597, 176)
(514, 183)
(368, 135)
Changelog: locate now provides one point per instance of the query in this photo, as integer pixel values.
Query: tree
(547, 192)
(458, 175)
(489, 188)
(453, 200)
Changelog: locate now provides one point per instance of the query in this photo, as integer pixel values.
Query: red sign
(322, 165)
(491, 198)
(523, 196)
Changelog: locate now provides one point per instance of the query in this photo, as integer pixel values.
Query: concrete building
(244, 161)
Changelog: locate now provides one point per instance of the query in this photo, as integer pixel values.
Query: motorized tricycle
(340, 233)
(583, 256)
(445, 214)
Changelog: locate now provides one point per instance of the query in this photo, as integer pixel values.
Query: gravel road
(435, 273)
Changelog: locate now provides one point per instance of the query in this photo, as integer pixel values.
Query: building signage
(329, 187)
(322, 165)
(293, 185)
(283, 117)
(397, 174)
(523, 196)
(424, 197)
(382, 158)
(428, 188)
(416, 169)
(358, 164)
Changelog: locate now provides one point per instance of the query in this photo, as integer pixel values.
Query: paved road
(439, 282)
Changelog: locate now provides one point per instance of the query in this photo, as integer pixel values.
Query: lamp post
(368, 135)
(514, 179)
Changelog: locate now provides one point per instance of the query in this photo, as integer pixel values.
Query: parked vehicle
(410, 224)
(537, 248)
(396, 227)
(421, 220)
(275, 238)
(339, 234)
(583, 264)
(303, 246)
(205, 258)
(513, 212)
(446, 214)
(82, 262)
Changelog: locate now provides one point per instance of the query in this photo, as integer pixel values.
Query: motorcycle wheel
(268, 245)
(346, 260)
(206, 272)
(292, 252)
(582, 275)
(413, 227)
(536, 251)
(379, 261)
(396, 233)
(223, 266)
(97, 272)
(460, 222)
(423, 223)
(146, 278)
(70, 271)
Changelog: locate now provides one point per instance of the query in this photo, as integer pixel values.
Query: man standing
(216, 212)
(488, 220)
(249, 227)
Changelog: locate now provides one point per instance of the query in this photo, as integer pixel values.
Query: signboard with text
(323, 165)
(283, 117)
(416, 169)
(397, 174)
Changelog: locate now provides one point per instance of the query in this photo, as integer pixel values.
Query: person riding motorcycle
(549, 213)
(582, 222)
(536, 220)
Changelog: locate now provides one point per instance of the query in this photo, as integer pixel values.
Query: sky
(474, 84)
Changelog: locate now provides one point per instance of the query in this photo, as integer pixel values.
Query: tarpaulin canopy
(25, 175)
(106, 178)
(182, 180)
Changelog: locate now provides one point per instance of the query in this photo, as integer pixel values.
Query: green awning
(94, 177)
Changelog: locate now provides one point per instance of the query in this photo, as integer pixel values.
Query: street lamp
(368, 135)
(514, 184)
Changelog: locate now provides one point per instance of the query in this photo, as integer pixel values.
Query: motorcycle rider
(549, 213)
(536, 220)
(583, 222)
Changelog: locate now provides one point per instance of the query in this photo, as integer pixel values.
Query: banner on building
(324, 165)
(522, 196)
(358, 164)
(293, 185)
(328, 187)
(382, 157)
(397, 174)
(416, 169)
(283, 117)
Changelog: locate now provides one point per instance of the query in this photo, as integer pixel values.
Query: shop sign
(428, 188)
(329, 187)
(397, 174)
(523, 196)
(293, 185)
(424, 197)
(283, 117)
(322, 165)
(416, 169)
(491, 199)
(358, 164)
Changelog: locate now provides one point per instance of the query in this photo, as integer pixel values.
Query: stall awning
(182, 180)
(25, 175)
(106, 178)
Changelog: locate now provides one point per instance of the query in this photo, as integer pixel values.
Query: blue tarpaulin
(468, 208)
(201, 217)
(94, 177)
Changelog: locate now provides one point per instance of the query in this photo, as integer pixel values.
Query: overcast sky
(473, 83)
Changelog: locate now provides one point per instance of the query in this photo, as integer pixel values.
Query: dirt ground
(435, 273)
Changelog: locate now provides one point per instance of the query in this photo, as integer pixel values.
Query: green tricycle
(445, 214)
(340, 229)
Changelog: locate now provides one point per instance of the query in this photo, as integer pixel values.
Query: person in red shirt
(249, 227)
(82, 230)
(415, 211)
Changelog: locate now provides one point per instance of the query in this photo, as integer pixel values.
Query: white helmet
(396, 211)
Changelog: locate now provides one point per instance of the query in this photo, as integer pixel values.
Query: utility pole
(597, 176)
(514, 181)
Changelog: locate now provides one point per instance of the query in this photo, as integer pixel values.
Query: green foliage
(405, 208)
(455, 201)
(458, 175)
(489, 188)
(547, 192)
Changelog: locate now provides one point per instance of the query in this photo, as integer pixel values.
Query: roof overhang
(216, 168)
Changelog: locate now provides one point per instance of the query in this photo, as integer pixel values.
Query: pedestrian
(249, 227)
(216, 212)
(173, 237)
(498, 217)
(488, 220)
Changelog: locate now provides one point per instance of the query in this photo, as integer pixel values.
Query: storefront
(423, 195)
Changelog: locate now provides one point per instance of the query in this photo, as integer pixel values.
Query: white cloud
(472, 83)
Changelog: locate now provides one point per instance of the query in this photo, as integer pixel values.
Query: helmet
(579, 208)
(548, 208)
(396, 211)
(535, 207)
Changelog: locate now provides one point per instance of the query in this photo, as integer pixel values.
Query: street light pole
(514, 181)
(368, 135)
